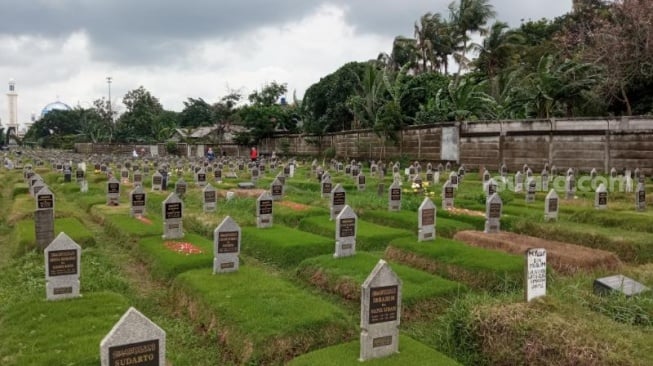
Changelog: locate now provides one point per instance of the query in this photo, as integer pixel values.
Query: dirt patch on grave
(294, 205)
(464, 211)
(563, 257)
(144, 220)
(183, 247)
(242, 192)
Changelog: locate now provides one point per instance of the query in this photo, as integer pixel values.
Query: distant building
(55, 106)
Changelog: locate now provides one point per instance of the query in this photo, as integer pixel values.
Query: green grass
(66, 332)
(262, 318)
(291, 217)
(132, 226)
(369, 236)
(272, 245)
(20, 189)
(26, 238)
(411, 352)
(167, 263)
(344, 276)
(403, 219)
(476, 267)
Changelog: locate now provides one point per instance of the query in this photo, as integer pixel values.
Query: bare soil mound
(563, 257)
(242, 192)
(294, 205)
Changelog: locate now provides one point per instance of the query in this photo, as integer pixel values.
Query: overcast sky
(65, 49)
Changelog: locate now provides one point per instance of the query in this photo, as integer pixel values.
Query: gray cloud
(160, 32)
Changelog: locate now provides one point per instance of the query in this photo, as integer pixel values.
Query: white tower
(12, 104)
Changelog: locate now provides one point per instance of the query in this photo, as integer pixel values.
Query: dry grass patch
(563, 257)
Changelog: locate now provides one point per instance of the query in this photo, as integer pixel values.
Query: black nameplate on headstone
(45, 201)
(113, 188)
(381, 341)
(641, 196)
(217, 174)
(201, 177)
(448, 192)
(395, 194)
(173, 210)
(265, 207)
(210, 197)
(428, 217)
(347, 227)
(277, 190)
(338, 198)
(228, 242)
(137, 354)
(383, 304)
(156, 180)
(361, 179)
(138, 199)
(603, 198)
(553, 204)
(62, 262)
(495, 210)
(326, 188)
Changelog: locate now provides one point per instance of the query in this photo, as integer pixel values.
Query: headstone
(113, 192)
(338, 201)
(264, 210)
(134, 340)
(394, 197)
(79, 175)
(640, 197)
(486, 176)
(180, 188)
(67, 175)
(519, 182)
(226, 246)
(138, 178)
(601, 197)
(326, 186)
(447, 195)
(361, 182)
(217, 175)
(545, 181)
(380, 313)
(531, 188)
(551, 206)
(200, 177)
(493, 210)
(210, 198)
(62, 267)
(346, 223)
(618, 284)
(593, 174)
(44, 217)
(138, 201)
(255, 173)
(535, 273)
(173, 209)
(157, 181)
(503, 170)
(613, 172)
(570, 187)
(453, 179)
(490, 188)
(276, 190)
(426, 220)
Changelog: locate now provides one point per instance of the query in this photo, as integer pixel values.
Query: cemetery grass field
(291, 302)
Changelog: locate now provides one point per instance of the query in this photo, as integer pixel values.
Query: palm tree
(366, 104)
(404, 52)
(469, 16)
(494, 53)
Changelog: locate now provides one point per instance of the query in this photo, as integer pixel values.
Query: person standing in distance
(253, 154)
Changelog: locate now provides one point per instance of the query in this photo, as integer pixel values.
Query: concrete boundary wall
(584, 144)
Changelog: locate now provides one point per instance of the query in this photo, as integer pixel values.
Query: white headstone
(157, 181)
(447, 195)
(226, 246)
(426, 216)
(380, 313)
(535, 273)
(519, 182)
(137, 200)
(264, 210)
(210, 198)
(551, 205)
(338, 201)
(493, 208)
(134, 340)
(346, 224)
(276, 190)
(640, 197)
(326, 186)
(394, 197)
(601, 197)
(173, 209)
(113, 192)
(531, 188)
(62, 268)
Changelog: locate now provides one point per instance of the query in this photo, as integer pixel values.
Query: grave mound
(242, 192)
(563, 257)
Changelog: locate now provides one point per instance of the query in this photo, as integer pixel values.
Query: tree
(196, 113)
(269, 94)
(365, 105)
(469, 16)
(139, 122)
